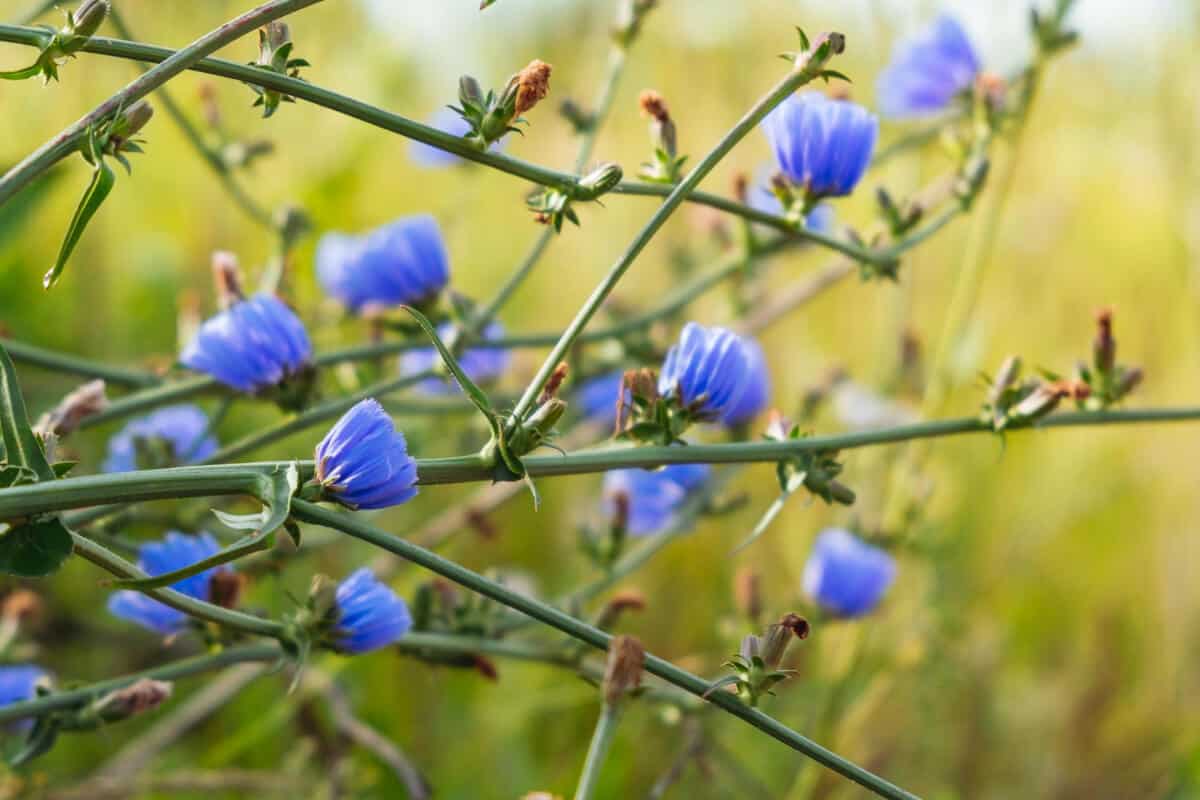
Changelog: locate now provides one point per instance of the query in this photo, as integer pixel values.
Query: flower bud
(630, 14)
(1104, 346)
(227, 277)
(469, 91)
(225, 588)
(775, 641)
(1130, 379)
(618, 604)
(600, 181)
(21, 607)
(533, 84)
(88, 18)
(623, 673)
(543, 420)
(1041, 401)
(136, 117)
(555, 383)
(77, 406)
(322, 596)
(137, 698)
(277, 35)
(1005, 377)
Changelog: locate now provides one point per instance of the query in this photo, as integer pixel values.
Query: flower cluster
(176, 551)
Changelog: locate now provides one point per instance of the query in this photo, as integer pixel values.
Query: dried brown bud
(137, 698)
(747, 593)
(620, 510)
(778, 636)
(486, 667)
(550, 390)
(227, 277)
(481, 523)
(641, 383)
(77, 406)
(654, 106)
(225, 588)
(618, 604)
(21, 606)
(1130, 379)
(1104, 347)
(533, 84)
(623, 672)
(741, 186)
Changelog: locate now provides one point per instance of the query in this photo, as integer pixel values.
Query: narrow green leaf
(36, 549)
(103, 179)
(275, 491)
(20, 445)
(22, 74)
(472, 391)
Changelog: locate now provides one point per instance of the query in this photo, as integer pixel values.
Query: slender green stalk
(153, 398)
(602, 736)
(184, 668)
(353, 526)
(236, 479)
(66, 141)
(23, 353)
(208, 154)
(785, 88)
(372, 115)
(234, 620)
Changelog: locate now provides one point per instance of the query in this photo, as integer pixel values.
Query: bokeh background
(1043, 636)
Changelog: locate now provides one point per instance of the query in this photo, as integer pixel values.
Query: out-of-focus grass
(1044, 633)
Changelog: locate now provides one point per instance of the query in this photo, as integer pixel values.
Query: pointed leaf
(720, 684)
(472, 391)
(20, 445)
(22, 74)
(36, 549)
(103, 179)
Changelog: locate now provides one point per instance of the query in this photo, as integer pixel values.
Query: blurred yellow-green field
(1043, 635)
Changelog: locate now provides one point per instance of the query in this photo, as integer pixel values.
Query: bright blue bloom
(450, 121)
(845, 575)
(928, 71)
(182, 428)
(756, 389)
(821, 218)
(482, 364)
(363, 461)
(653, 496)
(176, 551)
(822, 145)
(252, 345)
(401, 263)
(19, 682)
(596, 398)
(706, 371)
(370, 615)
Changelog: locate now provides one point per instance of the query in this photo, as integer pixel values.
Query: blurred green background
(1043, 637)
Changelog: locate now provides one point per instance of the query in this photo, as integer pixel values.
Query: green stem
(372, 115)
(184, 668)
(602, 736)
(353, 526)
(147, 399)
(785, 88)
(236, 479)
(66, 141)
(209, 155)
(228, 618)
(75, 365)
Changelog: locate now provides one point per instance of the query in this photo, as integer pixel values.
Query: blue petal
(928, 71)
(845, 575)
(371, 615)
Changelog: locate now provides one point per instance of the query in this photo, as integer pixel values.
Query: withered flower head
(533, 84)
(80, 404)
(623, 673)
(21, 606)
(550, 390)
(653, 105)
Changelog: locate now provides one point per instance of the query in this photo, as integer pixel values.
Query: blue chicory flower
(370, 615)
(176, 551)
(706, 371)
(450, 121)
(253, 345)
(183, 429)
(928, 71)
(482, 364)
(822, 145)
(756, 388)
(19, 682)
(845, 575)
(596, 398)
(363, 461)
(401, 263)
(653, 496)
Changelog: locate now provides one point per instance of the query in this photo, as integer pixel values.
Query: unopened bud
(1131, 378)
(779, 427)
(275, 35)
(21, 607)
(555, 382)
(774, 643)
(137, 698)
(747, 593)
(623, 673)
(533, 84)
(225, 588)
(227, 277)
(601, 180)
(77, 406)
(620, 511)
(469, 91)
(618, 604)
(1041, 401)
(1005, 377)
(137, 116)
(1104, 347)
(547, 416)
(88, 18)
